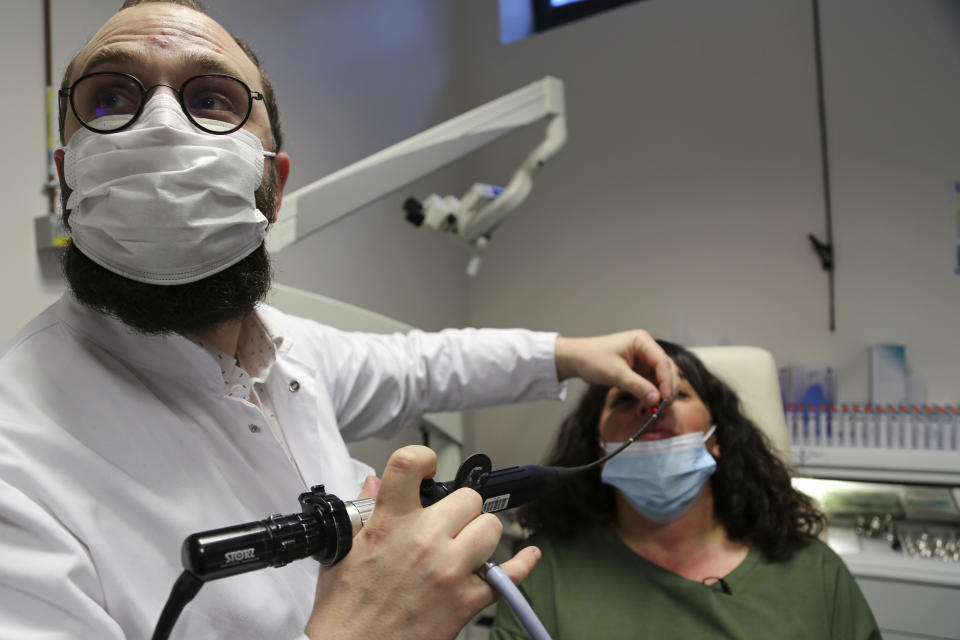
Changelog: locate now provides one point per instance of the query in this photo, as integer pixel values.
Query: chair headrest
(752, 373)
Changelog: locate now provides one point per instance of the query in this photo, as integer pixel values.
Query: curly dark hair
(754, 499)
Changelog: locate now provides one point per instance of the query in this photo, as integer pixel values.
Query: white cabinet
(911, 598)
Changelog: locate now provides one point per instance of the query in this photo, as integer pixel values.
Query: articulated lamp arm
(472, 217)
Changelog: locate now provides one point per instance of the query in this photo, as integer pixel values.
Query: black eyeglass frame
(68, 95)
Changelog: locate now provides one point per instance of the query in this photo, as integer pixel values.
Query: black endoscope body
(322, 529)
(326, 525)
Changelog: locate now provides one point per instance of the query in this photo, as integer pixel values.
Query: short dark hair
(269, 97)
(753, 497)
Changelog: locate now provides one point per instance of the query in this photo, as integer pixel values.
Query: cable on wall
(824, 250)
(51, 185)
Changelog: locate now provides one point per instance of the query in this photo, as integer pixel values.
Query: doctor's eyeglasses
(110, 101)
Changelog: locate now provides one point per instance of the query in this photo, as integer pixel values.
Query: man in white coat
(160, 397)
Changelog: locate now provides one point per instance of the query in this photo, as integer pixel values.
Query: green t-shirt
(594, 586)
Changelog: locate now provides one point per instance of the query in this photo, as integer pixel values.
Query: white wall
(31, 281)
(683, 199)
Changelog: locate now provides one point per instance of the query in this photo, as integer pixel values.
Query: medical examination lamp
(472, 217)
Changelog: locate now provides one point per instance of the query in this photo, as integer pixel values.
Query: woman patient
(693, 531)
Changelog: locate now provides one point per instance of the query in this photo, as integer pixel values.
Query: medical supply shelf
(873, 560)
(882, 465)
(909, 453)
(911, 598)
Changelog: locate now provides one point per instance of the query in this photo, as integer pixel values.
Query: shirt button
(294, 385)
(254, 429)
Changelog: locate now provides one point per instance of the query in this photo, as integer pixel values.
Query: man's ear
(58, 157)
(58, 160)
(281, 165)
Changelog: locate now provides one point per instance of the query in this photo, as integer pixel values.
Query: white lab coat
(116, 446)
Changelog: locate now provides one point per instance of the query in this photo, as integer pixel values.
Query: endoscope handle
(324, 529)
(502, 489)
(326, 526)
(516, 486)
(432, 491)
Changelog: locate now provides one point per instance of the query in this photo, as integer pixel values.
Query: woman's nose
(646, 410)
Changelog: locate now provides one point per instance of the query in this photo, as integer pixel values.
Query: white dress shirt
(115, 446)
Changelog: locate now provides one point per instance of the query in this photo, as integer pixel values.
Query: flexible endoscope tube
(646, 425)
(184, 589)
(501, 582)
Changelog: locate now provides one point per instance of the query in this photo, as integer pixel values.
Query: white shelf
(874, 559)
(885, 465)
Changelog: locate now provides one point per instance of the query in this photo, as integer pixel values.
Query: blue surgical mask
(661, 478)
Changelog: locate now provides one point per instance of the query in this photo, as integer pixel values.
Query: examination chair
(752, 374)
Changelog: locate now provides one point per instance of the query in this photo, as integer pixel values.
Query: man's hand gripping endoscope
(326, 525)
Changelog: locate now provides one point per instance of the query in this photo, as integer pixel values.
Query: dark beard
(156, 309)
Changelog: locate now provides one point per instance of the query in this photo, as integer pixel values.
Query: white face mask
(163, 202)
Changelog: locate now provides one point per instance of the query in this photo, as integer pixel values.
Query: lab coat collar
(171, 354)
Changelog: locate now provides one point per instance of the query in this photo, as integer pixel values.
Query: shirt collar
(258, 344)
